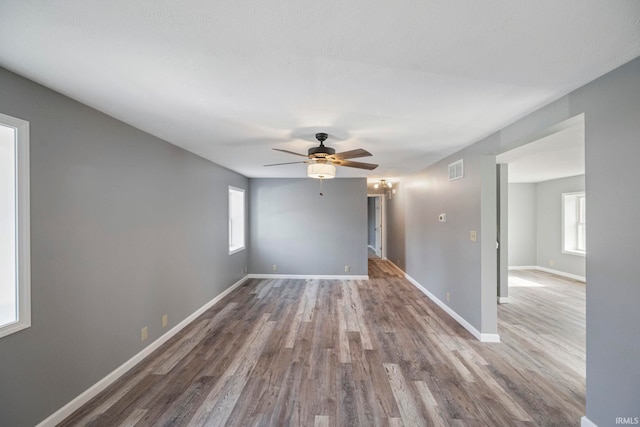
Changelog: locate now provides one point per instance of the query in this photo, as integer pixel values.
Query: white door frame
(383, 224)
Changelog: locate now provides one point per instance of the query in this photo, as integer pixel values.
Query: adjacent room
(319, 214)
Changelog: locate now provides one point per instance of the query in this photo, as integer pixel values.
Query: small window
(236, 220)
(574, 223)
(15, 303)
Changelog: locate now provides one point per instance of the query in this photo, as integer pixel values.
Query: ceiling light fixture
(321, 171)
(383, 183)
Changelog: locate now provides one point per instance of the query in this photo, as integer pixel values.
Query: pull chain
(321, 193)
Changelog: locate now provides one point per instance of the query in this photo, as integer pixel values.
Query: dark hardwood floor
(358, 353)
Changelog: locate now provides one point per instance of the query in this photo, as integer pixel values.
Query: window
(236, 220)
(574, 223)
(15, 304)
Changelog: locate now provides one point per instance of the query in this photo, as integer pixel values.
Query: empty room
(314, 213)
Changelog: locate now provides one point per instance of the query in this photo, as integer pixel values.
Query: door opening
(375, 225)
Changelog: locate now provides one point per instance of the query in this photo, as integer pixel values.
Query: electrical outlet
(551, 263)
(448, 297)
(144, 334)
(473, 235)
(274, 268)
(346, 268)
(165, 321)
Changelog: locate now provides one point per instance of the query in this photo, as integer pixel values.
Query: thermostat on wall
(442, 218)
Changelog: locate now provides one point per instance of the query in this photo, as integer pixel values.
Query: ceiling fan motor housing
(321, 151)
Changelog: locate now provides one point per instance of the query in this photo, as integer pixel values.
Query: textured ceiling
(409, 81)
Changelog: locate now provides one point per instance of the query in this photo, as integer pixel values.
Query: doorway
(535, 222)
(375, 226)
(542, 283)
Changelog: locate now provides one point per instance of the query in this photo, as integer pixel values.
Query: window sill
(579, 253)
(236, 250)
(14, 327)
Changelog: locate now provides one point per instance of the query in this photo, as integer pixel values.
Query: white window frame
(23, 251)
(574, 223)
(234, 247)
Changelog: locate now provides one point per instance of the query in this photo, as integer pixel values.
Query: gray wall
(301, 232)
(522, 244)
(124, 228)
(610, 104)
(441, 256)
(549, 225)
(371, 221)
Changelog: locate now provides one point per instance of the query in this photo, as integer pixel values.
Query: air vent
(456, 170)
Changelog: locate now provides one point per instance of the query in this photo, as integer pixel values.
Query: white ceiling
(409, 81)
(558, 155)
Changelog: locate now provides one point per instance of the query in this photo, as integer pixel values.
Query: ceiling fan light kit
(321, 171)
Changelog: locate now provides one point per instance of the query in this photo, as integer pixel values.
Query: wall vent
(456, 170)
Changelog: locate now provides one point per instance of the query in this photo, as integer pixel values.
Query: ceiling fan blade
(291, 152)
(287, 163)
(352, 154)
(359, 165)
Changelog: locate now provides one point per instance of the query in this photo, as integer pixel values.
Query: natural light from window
(236, 220)
(574, 223)
(8, 309)
(15, 288)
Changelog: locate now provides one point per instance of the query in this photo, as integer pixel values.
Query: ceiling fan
(322, 159)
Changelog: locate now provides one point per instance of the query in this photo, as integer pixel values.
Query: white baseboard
(549, 270)
(586, 422)
(308, 276)
(480, 336)
(562, 273)
(504, 300)
(62, 413)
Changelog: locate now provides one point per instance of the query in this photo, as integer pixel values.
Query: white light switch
(473, 235)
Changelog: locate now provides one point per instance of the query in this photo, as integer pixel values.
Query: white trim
(586, 422)
(371, 247)
(550, 270)
(562, 273)
(68, 409)
(480, 336)
(307, 276)
(575, 252)
(236, 250)
(504, 300)
(23, 219)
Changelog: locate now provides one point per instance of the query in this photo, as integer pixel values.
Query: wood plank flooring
(358, 353)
